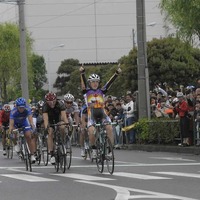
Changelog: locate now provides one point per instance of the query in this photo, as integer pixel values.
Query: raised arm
(83, 79)
(112, 79)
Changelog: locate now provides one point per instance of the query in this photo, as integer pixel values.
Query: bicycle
(24, 152)
(42, 147)
(87, 148)
(9, 143)
(60, 150)
(104, 147)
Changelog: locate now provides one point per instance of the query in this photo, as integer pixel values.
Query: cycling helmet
(93, 77)
(40, 103)
(69, 97)
(6, 108)
(50, 96)
(21, 102)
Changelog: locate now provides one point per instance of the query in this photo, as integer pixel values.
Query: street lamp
(54, 47)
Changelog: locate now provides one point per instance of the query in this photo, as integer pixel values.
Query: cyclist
(4, 122)
(94, 98)
(53, 112)
(39, 117)
(21, 116)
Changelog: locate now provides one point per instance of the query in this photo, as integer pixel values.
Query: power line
(67, 13)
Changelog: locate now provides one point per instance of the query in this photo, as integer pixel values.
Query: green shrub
(157, 131)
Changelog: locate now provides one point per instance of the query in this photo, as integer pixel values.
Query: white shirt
(128, 106)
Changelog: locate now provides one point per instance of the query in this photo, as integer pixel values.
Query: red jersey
(4, 117)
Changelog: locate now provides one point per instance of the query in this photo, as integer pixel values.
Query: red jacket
(4, 117)
(182, 108)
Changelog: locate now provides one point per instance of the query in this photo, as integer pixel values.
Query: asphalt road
(138, 175)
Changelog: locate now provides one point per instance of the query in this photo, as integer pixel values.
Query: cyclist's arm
(30, 119)
(64, 117)
(11, 125)
(111, 80)
(76, 117)
(46, 119)
(83, 79)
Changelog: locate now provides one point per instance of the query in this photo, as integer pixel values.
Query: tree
(39, 75)
(67, 67)
(184, 15)
(10, 60)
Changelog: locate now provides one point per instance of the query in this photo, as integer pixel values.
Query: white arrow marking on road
(29, 178)
(190, 175)
(84, 177)
(123, 193)
(139, 176)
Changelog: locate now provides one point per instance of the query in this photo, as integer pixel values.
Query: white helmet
(69, 97)
(175, 100)
(93, 77)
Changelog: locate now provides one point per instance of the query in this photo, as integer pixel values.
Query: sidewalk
(163, 148)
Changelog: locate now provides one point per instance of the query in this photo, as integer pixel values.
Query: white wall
(72, 22)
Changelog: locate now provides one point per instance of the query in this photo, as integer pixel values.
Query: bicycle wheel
(99, 159)
(68, 147)
(45, 155)
(39, 150)
(25, 155)
(109, 156)
(63, 159)
(28, 158)
(9, 149)
(57, 158)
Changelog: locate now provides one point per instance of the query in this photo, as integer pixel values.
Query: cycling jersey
(54, 114)
(20, 118)
(4, 118)
(72, 109)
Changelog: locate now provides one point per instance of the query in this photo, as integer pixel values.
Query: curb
(163, 148)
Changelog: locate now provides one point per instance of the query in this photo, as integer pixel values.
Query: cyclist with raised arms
(4, 122)
(94, 98)
(21, 117)
(53, 113)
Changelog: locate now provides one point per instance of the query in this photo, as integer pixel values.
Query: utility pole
(23, 55)
(143, 73)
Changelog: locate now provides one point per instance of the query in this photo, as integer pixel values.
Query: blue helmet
(21, 102)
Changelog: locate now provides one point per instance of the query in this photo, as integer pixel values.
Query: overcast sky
(91, 30)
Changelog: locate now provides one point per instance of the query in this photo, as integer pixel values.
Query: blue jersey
(20, 118)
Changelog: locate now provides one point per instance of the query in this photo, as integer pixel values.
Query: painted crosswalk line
(29, 178)
(84, 177)
(139, 176)
(190, 175)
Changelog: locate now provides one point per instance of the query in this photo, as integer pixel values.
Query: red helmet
(6, 108)
(50, 96)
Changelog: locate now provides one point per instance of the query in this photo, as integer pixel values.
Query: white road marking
(83, 177)
(139, 176)
(123, 193)
(27, 172)
(29, 178)
(173, 158)
(190, 175)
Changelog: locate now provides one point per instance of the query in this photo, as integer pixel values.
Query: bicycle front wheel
(109, 156)
(68, 149)
(99, 159)
(63, 160)
(45, 156)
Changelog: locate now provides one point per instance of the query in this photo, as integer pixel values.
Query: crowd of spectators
(181, 104)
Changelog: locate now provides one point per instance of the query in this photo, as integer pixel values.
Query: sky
(90, 30)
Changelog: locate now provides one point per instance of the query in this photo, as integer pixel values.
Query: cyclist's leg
(4, 141)
(82, 134)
